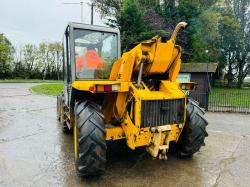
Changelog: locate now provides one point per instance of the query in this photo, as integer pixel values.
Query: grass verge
(28, 81)
(48, 89)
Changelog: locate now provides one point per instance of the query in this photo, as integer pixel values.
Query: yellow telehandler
(135, 97)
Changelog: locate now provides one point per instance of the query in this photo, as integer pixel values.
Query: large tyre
(194, 132)
(90, 144)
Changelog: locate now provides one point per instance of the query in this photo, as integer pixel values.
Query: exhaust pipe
(179, 26)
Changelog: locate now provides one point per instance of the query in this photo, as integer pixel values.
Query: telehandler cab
(135, 97)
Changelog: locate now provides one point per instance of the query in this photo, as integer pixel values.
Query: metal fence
(226, 101)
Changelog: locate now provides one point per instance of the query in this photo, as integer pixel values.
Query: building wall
(201, 93)
(201, 80)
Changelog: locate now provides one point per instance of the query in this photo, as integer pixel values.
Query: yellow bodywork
(156, 57)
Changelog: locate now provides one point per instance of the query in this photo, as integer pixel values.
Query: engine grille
(162, 112)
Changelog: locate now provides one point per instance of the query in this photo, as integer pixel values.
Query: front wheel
(89, 139)
(194, 132)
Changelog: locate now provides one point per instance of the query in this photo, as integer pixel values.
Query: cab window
(95, 53)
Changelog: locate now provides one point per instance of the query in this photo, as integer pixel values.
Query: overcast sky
(34, 21)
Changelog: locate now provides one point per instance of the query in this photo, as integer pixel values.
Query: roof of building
(198, 67)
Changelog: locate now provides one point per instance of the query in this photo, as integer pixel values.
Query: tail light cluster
(104, 88)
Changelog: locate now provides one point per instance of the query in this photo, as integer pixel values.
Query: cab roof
(75, 25)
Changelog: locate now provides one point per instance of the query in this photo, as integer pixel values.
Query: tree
(108, 8)
(130, 22)
(229, 37)
(29, 57)
(6, 57)
(136, 19)
(203, 37)
(127, 15)
(242, 13)
(58, 50)
(54, 61)
(202, 32)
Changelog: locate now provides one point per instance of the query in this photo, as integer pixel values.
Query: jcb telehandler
(135, 97)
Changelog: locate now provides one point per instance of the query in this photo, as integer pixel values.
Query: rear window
(95, 53)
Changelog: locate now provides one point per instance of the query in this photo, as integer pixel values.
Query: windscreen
(95, 53)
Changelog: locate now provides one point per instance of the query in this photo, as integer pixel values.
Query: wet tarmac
(35, 152)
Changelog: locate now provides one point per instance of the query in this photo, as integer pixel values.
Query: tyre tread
(194, 132)
(92, 147)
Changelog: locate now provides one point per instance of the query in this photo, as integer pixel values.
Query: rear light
(115, 87)
(108, 88)
(91, 88)
(188, 86)
(100, 88)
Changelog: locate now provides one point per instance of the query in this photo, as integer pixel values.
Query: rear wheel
(61, 115)
(89, 139)
(194, 132)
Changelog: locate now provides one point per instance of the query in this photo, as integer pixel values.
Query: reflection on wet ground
(34, 151)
